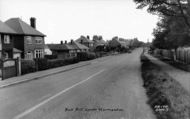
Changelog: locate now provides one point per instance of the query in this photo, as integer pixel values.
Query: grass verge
(166, 96)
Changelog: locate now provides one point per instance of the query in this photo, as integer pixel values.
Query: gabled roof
(22, 27)
(84, 40)
(99, 42)
(6, 29)
(60, 47)
(77, 45)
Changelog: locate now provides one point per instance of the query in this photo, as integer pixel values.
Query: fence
(182, 54)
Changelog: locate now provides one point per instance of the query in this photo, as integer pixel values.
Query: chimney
(33, 22)
(61, 42)
(65, 42)
(71, 41)
(81, 41)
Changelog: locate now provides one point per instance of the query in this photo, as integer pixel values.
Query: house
(99, 42)
(85, 41)
(62, 51)
(6, 41)
(119, 42)
(28, 39)
(78, 47)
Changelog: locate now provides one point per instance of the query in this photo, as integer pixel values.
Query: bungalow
(7, 49)
(28, 40)
(62, 51)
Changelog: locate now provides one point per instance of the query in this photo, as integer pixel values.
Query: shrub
(56, 63)
(83, 56)
(51, 56)
(27, 66)
(41, 64)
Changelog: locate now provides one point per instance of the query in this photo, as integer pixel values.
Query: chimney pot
(65, 42)
(61, 42)
(71, 41)
(33, 22)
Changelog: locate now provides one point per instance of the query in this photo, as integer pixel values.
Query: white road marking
(54, 96)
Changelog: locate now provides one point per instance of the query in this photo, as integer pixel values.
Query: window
(39, 53)
(39, 40)
(6, 39)
(28, 39)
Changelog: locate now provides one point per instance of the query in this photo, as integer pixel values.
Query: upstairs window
(28, 39)
(7, 39)
(39, 40)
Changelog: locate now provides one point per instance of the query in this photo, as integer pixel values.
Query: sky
(69, 19)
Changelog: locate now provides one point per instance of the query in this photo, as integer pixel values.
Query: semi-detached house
(7, 34)
(28, 39)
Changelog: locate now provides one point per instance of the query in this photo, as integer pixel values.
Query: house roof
(123, 43)
(22, 27)
(77, 45)
(99, 42)
(83, 39)
(6, 29)
(60, 47)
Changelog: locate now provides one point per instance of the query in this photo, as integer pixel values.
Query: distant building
(85, 41)
(78, 46)
(99, 42)
(119, 42)
(28, 39)
(62, 51)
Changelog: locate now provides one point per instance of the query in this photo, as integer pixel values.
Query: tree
(174, 8)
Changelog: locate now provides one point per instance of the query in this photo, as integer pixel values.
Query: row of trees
(173, 28)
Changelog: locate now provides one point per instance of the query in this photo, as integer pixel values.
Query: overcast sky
(68, 19)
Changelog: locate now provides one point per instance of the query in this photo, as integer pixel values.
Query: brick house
(6, 41)
(28, 39)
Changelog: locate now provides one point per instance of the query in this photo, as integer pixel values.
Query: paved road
(109, 88)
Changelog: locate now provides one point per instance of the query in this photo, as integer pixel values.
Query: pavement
(179, 75)
(108, 88)
(39, 74)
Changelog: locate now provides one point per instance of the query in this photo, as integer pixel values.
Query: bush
(51, 56)
(56, 63)
(27, 66)
(41, 64)
(84, 56)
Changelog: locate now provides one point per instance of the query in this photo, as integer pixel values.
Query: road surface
(109, 88)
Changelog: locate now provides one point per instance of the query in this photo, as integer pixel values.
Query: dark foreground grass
(166, 96)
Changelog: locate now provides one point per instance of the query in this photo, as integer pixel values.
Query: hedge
(27, 66)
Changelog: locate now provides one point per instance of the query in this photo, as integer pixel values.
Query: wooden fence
(182, 54)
